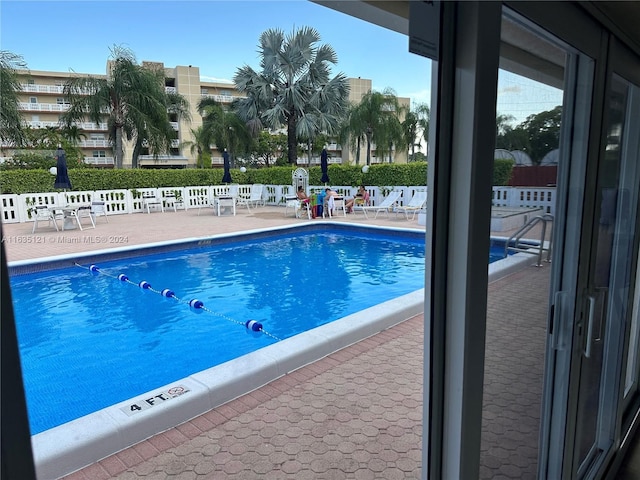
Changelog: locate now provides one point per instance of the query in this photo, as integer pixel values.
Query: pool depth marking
(194, 303)
(145, 403)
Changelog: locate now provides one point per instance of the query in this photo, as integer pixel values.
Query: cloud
(510, 89)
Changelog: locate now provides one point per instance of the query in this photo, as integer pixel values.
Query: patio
(354, 414)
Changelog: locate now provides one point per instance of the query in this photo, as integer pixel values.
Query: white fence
(16, 208)
(544, 197)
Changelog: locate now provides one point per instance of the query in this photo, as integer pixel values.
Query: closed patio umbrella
(62, 176)
(324, 166)
(226, 178)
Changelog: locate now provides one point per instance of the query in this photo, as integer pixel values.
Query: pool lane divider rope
(195, 304)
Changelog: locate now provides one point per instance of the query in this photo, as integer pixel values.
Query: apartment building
(42, 104)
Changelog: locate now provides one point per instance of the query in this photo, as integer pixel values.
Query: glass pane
(633, 336)
(610, 276)
(529, 107)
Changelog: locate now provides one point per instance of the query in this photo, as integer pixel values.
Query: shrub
(502, 169)
(40, 180)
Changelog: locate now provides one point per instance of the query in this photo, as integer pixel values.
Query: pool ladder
(514, 243)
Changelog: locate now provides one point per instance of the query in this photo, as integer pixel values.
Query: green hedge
(32, 181)
(411, 174)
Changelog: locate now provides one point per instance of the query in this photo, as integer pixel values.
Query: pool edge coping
(74, 445)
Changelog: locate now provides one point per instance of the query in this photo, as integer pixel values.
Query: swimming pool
(77, 328)
(93, 436)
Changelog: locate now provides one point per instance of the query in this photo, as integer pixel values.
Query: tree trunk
(292, 143)
(308, 154)
(118, 153)
(136, 153)
(358, 151)
(368, 149)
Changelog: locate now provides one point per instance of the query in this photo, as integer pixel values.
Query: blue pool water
(88, 340)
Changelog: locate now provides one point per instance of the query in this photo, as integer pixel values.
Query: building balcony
(175, 125)
(43, 107)
(33, 124)
(221, 98)
(95, 143)
(99, 160)
(92, 126)
(162, 160)
(171, 89)
(35, 88)
(80, 125)
(315, 161)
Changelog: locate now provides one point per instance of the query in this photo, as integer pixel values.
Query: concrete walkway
(354, 414)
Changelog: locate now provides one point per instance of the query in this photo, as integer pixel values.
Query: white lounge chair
(99, 208)
(171, 200)
(416, 204)
(150, 200)
(40, 214)
(255, 197)
(83, 211)
(387, 204)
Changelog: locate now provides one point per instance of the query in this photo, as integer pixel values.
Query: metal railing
(514, 243)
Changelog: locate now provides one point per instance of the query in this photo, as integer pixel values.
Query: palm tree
(294, 87)
(348, 131)
(416, 127)
(132, 97)
(158, 136)
(10, 118)
(73, 134)
(390, 134)
(375, 119)
(224, 127)
(200, 145)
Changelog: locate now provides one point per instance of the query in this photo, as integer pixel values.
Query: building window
(31, 81)
(204, 91)
(33, 99)
(99, 154)
(62, 101)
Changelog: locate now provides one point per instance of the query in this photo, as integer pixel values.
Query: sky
(218, 37)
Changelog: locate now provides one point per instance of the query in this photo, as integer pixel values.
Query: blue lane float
(253, 325)
(197, 305)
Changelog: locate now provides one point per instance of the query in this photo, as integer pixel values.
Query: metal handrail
(517, 236)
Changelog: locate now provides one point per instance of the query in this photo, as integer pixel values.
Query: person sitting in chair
(359, 199)
(302, 195)
(328, 201)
